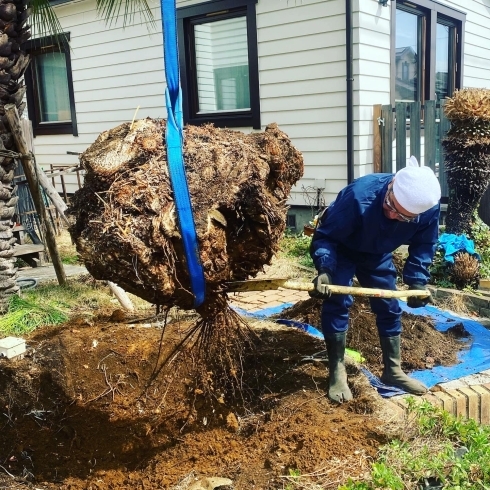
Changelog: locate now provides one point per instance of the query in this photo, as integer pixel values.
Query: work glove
(414, 302)
(323, 279)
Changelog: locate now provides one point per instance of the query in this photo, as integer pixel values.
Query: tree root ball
(125, 224)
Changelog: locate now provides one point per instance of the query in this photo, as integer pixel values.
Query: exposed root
(214, 349)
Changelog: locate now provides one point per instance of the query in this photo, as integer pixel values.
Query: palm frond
(112, 10)
(44, 22)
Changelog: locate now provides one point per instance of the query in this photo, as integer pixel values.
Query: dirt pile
(422, 345)
(83, 411)
(126, 227)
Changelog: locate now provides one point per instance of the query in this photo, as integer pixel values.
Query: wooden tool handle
(373, 293)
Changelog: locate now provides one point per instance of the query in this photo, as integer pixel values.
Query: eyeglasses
(388, 202)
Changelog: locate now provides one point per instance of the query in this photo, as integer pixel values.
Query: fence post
(377, 162)
(401, 135)
(444, 126)
(415, 129)
(430, 134)
(387, 139)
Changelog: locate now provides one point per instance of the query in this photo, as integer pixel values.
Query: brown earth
(422, 345)
(84, 410)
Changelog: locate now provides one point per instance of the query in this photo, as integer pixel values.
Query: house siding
(302, 75)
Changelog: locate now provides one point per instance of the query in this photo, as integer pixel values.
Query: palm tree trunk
(13, 61)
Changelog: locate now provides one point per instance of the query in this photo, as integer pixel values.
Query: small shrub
(298, 247)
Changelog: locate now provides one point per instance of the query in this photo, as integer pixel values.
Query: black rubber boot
(392, 372)
(338, 390)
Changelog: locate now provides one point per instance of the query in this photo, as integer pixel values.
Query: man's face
(393, 210)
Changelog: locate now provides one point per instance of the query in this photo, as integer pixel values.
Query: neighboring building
(247, 63)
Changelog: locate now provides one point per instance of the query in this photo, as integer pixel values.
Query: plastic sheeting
(452, 244)
(473, 358)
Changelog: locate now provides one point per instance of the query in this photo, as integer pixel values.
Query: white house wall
(302, 74)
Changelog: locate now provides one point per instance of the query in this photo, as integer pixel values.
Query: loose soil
(423, 347)
(86, 410)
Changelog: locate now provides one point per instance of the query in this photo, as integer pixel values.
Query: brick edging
(468, 402)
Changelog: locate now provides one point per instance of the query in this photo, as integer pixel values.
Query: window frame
(189, 16)
(42, 46)
(434, 13)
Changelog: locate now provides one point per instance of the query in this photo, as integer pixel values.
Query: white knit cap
(416, 188)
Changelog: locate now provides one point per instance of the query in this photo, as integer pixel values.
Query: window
(50, 99)
(218, 63)
(428, 40)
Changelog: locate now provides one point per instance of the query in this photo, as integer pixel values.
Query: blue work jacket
(355, 222)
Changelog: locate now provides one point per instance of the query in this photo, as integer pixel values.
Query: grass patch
(296, 248)
(24, 315)
(66, 249)
(436, 450)
(51, 304)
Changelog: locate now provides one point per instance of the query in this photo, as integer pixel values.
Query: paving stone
(484, 404)
(400, 400)
(472, 403)
(433, 400)
(477, 300)
(447, 401)
(459, 402)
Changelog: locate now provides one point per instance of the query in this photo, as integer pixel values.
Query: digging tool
(270, 284)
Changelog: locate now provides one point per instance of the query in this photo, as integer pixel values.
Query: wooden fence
(420, 133)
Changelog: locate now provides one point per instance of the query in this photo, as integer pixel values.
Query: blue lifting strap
(175, 158)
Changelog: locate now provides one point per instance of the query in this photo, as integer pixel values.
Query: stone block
(472, 403)
(459, 403)
(484, 395)
(447, 402)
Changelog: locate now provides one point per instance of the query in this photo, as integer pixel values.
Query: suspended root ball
(125, 225)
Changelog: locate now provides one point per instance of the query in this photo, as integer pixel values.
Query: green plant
(480, 234)
(73, 259)
(297, 247)
(50, 304)
(439, 271)
(24, 315)
(434, 446)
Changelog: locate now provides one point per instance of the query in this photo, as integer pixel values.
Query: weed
(24, 315)
(49, 304)
(297, 247)
(435, 447)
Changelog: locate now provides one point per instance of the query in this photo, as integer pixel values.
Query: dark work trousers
(372, 271)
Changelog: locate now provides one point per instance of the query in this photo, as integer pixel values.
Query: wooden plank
(401, 135)
(376, 138)
(444, 126)
(415, 129)
(430, 134)
(386, 138)
(28, 248)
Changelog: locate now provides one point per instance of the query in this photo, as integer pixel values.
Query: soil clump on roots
(126, 228)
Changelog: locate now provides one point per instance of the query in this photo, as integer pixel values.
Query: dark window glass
(427, 50)
(407, 58)
(50, 97)
(219, 64)
(51, 82)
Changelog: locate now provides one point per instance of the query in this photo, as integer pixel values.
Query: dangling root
(215, 347)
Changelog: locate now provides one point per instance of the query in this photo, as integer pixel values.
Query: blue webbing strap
(175, 159)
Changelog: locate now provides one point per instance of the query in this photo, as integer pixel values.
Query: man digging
(368, 220)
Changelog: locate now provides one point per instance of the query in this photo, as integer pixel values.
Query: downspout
(350, 90)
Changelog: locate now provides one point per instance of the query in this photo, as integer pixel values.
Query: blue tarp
(452, 244)
(473, 358)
